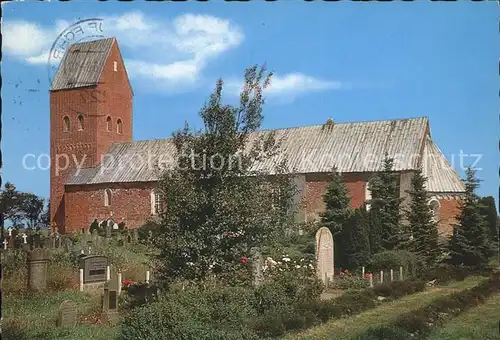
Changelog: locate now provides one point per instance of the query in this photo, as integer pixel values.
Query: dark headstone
(110, 300)
(37, 240)
(68, 312)
(94, 268)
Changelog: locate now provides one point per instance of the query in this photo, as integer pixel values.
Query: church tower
(90, 109)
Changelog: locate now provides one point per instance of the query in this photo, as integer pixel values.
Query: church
(99, 172)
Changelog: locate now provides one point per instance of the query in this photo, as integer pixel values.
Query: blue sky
(348, 61)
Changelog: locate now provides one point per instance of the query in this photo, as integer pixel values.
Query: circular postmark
(80, 31)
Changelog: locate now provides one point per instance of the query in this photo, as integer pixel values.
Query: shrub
(350, 282)
(353, 302)
(444, 273)
(393, 260)
(398, 289)
(384, 333)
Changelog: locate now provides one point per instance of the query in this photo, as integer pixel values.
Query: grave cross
(10, 231)
(24, 236)
(5, 242)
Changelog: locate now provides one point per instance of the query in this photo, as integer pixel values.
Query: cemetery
(227, 258)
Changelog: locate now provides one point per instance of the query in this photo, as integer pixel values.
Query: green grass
(348, 328)
(34, 316)
(478, 323)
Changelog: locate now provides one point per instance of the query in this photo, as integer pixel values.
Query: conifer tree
(469, 244)
(421, 224)
(489, 212)
(356, 239)
(337, 204)
(385, 206)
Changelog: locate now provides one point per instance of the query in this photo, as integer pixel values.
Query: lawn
(481, 322)
(348, 328)
(34, 317)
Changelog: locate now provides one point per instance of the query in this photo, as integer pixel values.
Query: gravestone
(108, 230)
(129, 237)
(94, 268)
(37, 240)
(136, 235)
(37, 269)
(110, 300)
(68, 312)
(324, 255)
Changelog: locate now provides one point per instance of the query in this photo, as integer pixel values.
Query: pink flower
(243, 260)
(127, 283)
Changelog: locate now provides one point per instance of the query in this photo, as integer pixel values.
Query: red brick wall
(316, 185)
(113, 97)
(130, 203)
(448, 211)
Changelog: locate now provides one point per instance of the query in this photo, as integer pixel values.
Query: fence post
(108, 273)
(392, 275)
(401, 273)
(381, 276)
(363, 271)
(119, 282)
(147, 276)
(81, 279)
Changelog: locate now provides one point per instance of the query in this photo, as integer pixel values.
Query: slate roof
(82, 64)
(352, 147)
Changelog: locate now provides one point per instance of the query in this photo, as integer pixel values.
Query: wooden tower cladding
(90, 109)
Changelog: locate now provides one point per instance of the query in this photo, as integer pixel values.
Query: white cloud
(289, 86)
(23, 39)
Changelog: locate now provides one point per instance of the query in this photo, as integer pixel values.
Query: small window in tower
(119, 126)
(115, 66)
(80, 123)
(108, 123)
(66, 124)
(434, 207)
(107, 197)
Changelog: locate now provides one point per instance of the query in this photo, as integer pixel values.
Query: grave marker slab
(324, 254)
(68, 312)
(94, 268)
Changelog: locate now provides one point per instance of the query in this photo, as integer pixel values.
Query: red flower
(368, 275)
(243, 260)
(127, 283)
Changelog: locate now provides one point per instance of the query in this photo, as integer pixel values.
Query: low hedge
(419, 322)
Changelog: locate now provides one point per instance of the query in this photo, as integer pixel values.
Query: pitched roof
(441, 177)
(82, 64)
(351, 147)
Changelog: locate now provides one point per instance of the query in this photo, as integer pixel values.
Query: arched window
(368, 195)
(119, 126)
(108, 123)
(434, 206)
(155, 202)
(80, 123)
(107, 197)
(66, 124)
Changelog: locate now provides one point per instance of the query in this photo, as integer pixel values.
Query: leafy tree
(489, 211)
(356, 239)
(385, 207)
(337, 204)
(219, 209)
(10, 201)
(469, 244)
(31, 208)
(422, 226)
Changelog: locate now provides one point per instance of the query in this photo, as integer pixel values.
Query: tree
(31, 208)
(356, 239)
(385, 206)
(219, 210)
(10, 201)
(469, 244)
(337, 204)
(489, 212)
(422, 226)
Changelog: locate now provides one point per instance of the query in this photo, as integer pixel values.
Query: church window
(80, 123)
(115, 66)
(66, 124)
(155, 202)
(119, 128)
(368, 196)
(434, 206)
(107, 197)
(108, 123)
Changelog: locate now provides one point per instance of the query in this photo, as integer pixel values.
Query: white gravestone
(324, 254)
(10, 231)
(5, 244)
(24, 236)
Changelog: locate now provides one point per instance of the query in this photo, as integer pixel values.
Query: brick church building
(99, 172)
